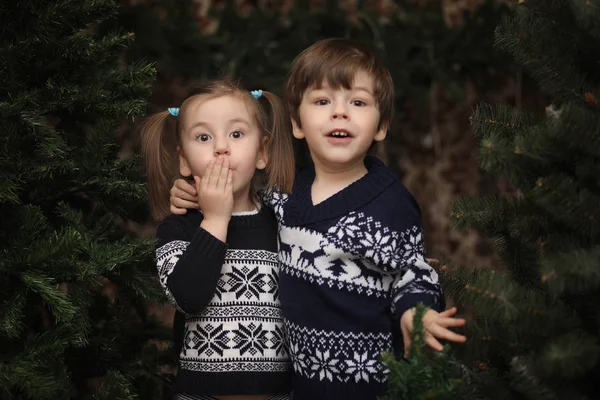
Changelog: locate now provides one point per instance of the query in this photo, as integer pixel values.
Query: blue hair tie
(256, 93)
(174, 111)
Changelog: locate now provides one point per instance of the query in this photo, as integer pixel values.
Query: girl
(218, 265)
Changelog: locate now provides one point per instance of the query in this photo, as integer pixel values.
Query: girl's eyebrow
(239, 120)
(208, 125)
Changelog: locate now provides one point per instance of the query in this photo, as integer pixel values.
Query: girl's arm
(189, 268)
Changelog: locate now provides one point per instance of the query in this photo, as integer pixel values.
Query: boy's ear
(263, 154)
(184, 168)
(296, 130)
(381, 133)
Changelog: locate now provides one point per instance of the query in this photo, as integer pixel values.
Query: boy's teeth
(339, 134)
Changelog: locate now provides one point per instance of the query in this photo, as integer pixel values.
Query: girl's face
(221, 126)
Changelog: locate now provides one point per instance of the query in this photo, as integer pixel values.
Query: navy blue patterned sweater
(350, 266)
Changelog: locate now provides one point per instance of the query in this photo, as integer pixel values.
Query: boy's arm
(416, 281)
(189, 270)
(274, 200)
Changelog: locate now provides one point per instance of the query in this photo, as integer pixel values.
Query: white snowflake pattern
(362, 366)
(324, 365)
(298, 359)
(386, 249)
(380, 247)
(275, 200)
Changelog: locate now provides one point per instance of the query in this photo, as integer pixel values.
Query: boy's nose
(339, 112)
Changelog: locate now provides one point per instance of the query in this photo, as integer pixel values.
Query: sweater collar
(299, 209)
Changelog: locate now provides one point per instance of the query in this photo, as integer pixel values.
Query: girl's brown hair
(160, 134)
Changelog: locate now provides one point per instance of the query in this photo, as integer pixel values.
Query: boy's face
(339, 125)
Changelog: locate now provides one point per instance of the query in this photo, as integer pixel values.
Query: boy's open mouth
(339, 133)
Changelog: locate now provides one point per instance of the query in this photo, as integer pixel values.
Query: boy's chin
(341, 160)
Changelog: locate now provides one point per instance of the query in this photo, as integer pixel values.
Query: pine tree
(424, 375)
(74, 280)
(535, 331)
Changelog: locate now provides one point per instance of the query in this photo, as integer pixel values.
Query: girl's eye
(321, 102)
(236, 134)
(203, 137)
(359, 103)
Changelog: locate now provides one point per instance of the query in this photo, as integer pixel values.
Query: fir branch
(574, 272)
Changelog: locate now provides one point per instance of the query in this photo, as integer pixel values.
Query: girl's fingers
(208, 173)
(200, 183)
(216, 172)
(229, 186)
(224, 173)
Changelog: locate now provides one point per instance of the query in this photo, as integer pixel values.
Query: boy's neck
(329, 179)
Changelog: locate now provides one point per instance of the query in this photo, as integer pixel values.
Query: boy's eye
(236, 134)
(322, 102)
(359, 103)
(203, 137)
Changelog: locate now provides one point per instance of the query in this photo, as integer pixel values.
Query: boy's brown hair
(336, 61)
(160, 134)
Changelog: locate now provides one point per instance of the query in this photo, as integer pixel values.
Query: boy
(350, 243)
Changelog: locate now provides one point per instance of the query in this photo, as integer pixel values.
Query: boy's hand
(436, 327)
(183, 196)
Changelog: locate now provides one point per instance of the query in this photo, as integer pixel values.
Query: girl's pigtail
(280, 165)
(161, 158)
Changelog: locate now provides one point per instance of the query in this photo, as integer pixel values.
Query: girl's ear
(184, 168)
(263, 154)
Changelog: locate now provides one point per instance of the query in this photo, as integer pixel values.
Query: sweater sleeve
(415, 281)
(189, 268)
(274, 200)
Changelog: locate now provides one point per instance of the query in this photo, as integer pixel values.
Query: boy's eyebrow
(364, 89)
(355, 88)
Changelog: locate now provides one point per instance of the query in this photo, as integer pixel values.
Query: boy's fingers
(432, 261)
(180, 203)
(406, 338)
(433, 343)
(177, 211)
(185, 186)
(451, 322)
(449, 312)
(177, 193)
(446, 334)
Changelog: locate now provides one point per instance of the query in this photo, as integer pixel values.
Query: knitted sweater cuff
(406, 302)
